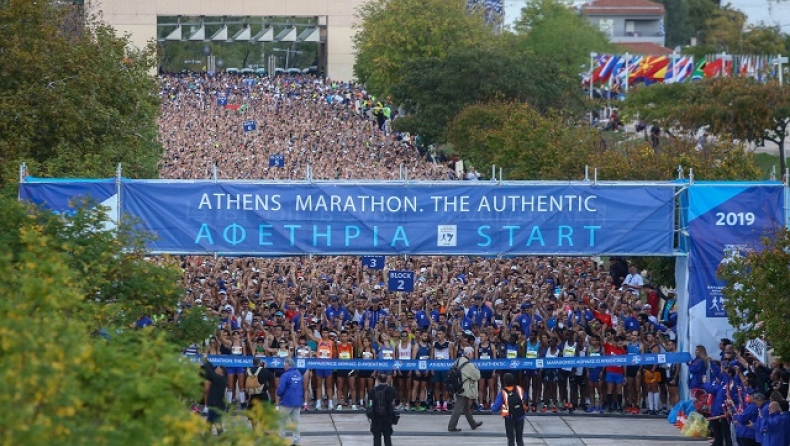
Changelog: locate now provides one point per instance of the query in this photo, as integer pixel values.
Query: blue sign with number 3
(401, 281)
(373, 262)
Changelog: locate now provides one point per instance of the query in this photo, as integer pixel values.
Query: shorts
(652, 377)
(669, 381)
(631, 371)
(303, 371)
(420, 376)
(564, 374)
(342, 373)
(579, 380)
(550, 375)
(439, 377)
(234, 370)
(278, 372)
(595, 375)
(614, 378)
(486, 374)
(365, 374)
(321, 373)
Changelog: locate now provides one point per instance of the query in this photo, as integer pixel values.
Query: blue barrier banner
(491, 364)
(390, 219)
(725, 222)
(60, 195)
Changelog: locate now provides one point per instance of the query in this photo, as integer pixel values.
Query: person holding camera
(381, 412)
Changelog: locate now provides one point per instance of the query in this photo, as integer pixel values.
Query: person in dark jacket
(381, 423)
(215, 400)
(745, 421)
(514, 427)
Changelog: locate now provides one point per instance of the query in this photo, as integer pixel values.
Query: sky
(765, 12)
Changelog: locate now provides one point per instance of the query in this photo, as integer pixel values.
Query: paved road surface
(428, 429)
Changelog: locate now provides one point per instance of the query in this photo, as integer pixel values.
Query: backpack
(254, 387)
(515, 404)
(378, 405)
(455, 379)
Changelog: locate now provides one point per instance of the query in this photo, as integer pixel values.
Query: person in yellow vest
(510, 404)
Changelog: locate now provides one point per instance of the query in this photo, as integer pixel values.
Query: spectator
(215, 400)
(464, 400)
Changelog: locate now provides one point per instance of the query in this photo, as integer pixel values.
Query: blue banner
(390, 219)
(489, 364)
(61, 196)
(724, 222)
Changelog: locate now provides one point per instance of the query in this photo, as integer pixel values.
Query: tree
(757, 301)
(554, 31)
(435, 90)
(391, 33)
(736, 107)
(73, 102)
(678, 30)
(516, 135)
(72, 367)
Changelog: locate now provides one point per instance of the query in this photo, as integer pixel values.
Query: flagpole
(593, 55)
(674, 66)
(627, 75)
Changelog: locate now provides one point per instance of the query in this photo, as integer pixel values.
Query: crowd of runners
(333, 307)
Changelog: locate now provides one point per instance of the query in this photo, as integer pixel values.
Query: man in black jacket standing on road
(381, 412)
(216, 392)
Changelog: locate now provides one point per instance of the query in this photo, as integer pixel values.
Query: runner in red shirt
(614, 375)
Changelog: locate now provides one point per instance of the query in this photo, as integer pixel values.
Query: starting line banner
(417, 365)
(274, 219)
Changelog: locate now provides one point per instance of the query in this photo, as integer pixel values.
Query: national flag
(649, 67)
(604, 318)
(699, 71)
(684, 72)
(233, 107)
(744, 66)
(714, 69)
(608, 68)
(596, 75)
(674, 70)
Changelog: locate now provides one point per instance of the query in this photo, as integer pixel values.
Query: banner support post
(22, 171)
(493, 172)
(595, 176)
(118, 186)
(214, 173)
(500, 176)
(586, 173)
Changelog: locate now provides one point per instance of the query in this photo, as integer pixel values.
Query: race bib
(441, 355)
(512, 354)
(532, 354)
(485, 356)
(424, 358)
(367, 355)
(323, 354)
(386, 355)
(345, 355)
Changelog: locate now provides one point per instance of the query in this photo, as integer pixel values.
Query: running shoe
(354, 407)
(480, 408)
(437, 408)
(424, 407)
(600, 409)
(305, 407)
(535, 408)
(318, 405)
(444, 407)
(545, 408)
(339, 407)
(554, 408)
(591, 409)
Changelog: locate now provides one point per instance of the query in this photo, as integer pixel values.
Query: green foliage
(392, 33)
(534, 146)
(71, 366)
(757, 301)
(72, 102)
(724, 29)
(738, 107)
(553, 31)
(436, 90)
(678, 30)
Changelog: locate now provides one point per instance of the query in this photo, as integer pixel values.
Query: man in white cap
(464, 400)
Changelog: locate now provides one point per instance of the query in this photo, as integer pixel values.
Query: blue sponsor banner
(60, 196)
(490, 364)
(401, 281)
(390, 219)
(374, 262)
(725, 221)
